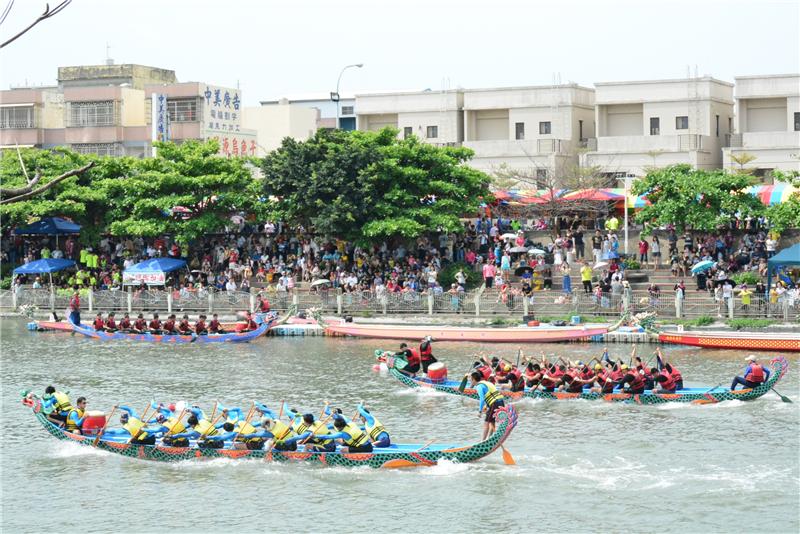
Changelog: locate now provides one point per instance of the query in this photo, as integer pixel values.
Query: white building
(273, 123)
(325, 107)
(433, 116)
(767, 123)
(534, 131)
(661, 122)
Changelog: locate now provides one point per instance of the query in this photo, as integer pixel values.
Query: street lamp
(335, 96)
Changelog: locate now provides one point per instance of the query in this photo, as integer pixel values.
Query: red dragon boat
(755, 341)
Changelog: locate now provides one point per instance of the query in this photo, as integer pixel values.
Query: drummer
(426, 353)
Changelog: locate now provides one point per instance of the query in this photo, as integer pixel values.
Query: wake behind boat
(394, 456)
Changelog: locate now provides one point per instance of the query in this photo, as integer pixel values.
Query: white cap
(750, 358)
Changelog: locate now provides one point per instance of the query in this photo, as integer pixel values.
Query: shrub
(632, 264)
(704, 320)
(5, 283)
(749, 278)
(740, 324)
(447, 275)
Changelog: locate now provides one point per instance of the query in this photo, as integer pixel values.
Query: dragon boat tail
(396, 456)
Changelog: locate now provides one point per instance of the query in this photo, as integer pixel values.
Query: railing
(488, 302)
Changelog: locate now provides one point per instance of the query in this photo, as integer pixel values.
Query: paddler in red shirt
(214, 327)
(263, 305)
(426, 353)
(139, 325)
(155, 325)
(111, 324)
(98, 323)
(184, 327)
(200, 326)
(125, 323)
(169, 325)
(250, 323)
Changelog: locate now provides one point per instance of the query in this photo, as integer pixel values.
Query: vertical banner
(160, 119)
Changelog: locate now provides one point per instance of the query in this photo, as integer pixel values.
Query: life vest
(174, 426)
(669, 383)
(676, 375)
(299, 426)
(98, 324)
(70, 424)
(244, 427)
(280, 430)
(586, 374)
(485, 371)
(213, 326)
(169, 325)
(426, 353)
(638, 381)
(155, 324)
(357, 436)
(413, 357)
(200, 326)
(375, 430)
(756, 374)
(75, 303)
(263, 305)
(184, 326)
(318, 429)
(140, 324)
(616, 375)
(514, 375)
(492, 395)
(205, 428)
(125, 323)
(63, 403)
(251, 325)
(134, 426)
(111, 324)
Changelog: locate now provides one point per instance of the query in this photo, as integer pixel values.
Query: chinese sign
(222, 120)
(151, 279)
(160, 120)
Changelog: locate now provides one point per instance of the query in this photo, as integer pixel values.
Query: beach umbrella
(610, 255)
(508, 236)
(702, 266)
(600, 265)
(517, 250)
(536, 251)
(520, 271)
(320, 282)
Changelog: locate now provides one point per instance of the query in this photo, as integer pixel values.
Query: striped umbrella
(770, 195)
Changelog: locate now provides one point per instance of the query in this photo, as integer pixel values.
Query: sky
(278, 48)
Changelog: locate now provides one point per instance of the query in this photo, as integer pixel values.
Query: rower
(200, 326)
(60, 404)
(676, 375)
(169, 325)
(250, 323)
(140, 325)
(483, 369)
(377, 433)
(241, 432)
(111, 323)
(75, 416)
(98, 324)
(412, 358)
(283, 438)
(755, 374)
(634, 380)
(184, 327)
(426, 353)
(201, 430)
(214, 326)
(263, 304)
(533, 373)
(125, 323)
(552, 377)
(311, 432)
(649, 383)
(133, 427)
(168, 426)
(664, 380)
(350, 435)
(489, 399)
(155, 325)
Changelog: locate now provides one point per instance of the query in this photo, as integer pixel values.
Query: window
(730, 125)
(16, 117)
(347, 110)
(544, 128)
(432, 132)
(717, 125)
(580, 130)
(101, 149)
(682, 123)
(797, 121)
(182, 109)
(408, 131)
(541, 178)
(519, 130)
(92, 113)
(655, 126)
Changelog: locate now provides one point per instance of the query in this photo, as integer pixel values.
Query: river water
(582, 466)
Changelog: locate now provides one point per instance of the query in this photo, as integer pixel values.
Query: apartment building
(274, 122)
(767, 125)
(108, 110)
(535, 132)
(647, 124)
(433, 116)
(323, 105)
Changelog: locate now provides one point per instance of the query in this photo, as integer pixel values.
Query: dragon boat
(396, 456)
(695, 395)
(265, 322)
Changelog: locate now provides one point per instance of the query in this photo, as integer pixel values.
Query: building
(109, 110)
(647, 124)
(325, 107)
(433, 116)
(767, 124)
(535, 132)
(273, 123)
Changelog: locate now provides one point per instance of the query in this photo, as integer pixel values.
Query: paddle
(274, 439)
(246, 422)
(462, 386)
(783, 397)
(214, 411)
(507, 458)
(519, 353)
(322, 423)
(102, 430)
(144, 424)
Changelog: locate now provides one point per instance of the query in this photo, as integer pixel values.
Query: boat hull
(66, 326)
(408, 456)
(733, 340)
(694, 396)
(490, 335)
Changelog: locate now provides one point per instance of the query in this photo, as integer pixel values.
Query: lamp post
(625, 207)
(335, 96)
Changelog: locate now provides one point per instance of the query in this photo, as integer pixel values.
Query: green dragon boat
(696, 395)
(395, 456)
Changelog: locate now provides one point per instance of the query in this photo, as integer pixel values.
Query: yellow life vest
(70, 425)
(205, 428)
(317, 430)
(357, 436)
(245, 428)
(299, 426)
(174, 426)
(492, 395)
(281, 431)
(63, 403)
(375, 430)
(133, 426)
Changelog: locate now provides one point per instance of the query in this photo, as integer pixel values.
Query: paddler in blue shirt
(754, 375)
(132, 427)
(58, 403)
(202, 429)
(489, 399)
(352, 437)
(377, 433)
(283, 438)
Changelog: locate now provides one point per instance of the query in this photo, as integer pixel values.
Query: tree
(694, 198)
(785, 215)
(742, 159)
(187, 191)
(368, 186)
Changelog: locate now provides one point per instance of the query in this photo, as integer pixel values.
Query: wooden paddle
(246, 422)
(519, 353)
(214, 411)
(144, 424)
(102, 430)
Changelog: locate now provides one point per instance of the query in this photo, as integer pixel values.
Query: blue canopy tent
(786, 257)
(49, 266)
(151, 272)
(50, 226)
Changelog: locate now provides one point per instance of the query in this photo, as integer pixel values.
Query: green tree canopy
(785, 215)
(694, 198)
(371, 185)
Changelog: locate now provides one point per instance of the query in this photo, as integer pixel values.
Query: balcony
(517, 148)
(21, 136)
(650, 143)
(765, 140)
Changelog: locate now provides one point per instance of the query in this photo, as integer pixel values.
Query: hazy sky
(284, 48)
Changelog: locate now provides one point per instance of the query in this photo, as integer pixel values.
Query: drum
(533, 323)
(437, 371)
(93, 421)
